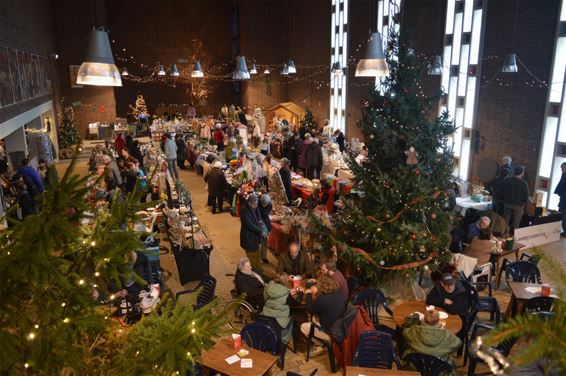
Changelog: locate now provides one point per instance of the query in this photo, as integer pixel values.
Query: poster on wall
(73, 74)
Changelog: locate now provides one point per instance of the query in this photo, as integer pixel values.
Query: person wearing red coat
(120, 143)
(218, 136)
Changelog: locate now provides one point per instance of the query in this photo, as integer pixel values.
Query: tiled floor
(224, 230)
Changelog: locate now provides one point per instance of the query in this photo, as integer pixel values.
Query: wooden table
(498, 256)
(400, 312)
(214, 359)
(519, 296)
(355, 371)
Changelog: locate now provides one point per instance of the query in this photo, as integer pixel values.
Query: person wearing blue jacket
(30, 175)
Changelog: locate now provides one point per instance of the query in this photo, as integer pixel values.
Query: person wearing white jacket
(170, 149)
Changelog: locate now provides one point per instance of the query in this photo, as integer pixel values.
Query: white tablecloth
(465, 203)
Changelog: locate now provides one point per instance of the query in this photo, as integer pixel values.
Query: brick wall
(510, 114)
(27, 25)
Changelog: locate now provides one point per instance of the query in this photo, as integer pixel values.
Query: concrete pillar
(16, 142)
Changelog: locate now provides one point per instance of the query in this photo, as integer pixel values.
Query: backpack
(340, 328)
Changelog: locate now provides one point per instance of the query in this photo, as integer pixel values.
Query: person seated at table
(138, 263)
(278, 301)
(475, 228)
(328, 266)
(497, 225)
(250, 282)
(482, 246)
(450, 295)
(294, 262)
(432, 339)
(328, 307)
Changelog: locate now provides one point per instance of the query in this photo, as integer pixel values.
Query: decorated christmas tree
(396, 220)
(51, 268)
(308, 121)
(68, 132)
(139, 111)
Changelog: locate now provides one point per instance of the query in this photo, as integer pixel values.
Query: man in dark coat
(181, 151)
(217, 184)
(253, 230)
(516, 193)
(265, 207)
(294, 146)
(285, 173)
(314, 159)
(450, 295)
(294, 262)
(561, 192)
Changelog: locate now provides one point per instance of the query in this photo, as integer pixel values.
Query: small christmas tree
(68, 133)
(140, 109)
(397, 221)
(308, 121)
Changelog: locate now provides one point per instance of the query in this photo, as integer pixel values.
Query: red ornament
(433, 216)
(71, 212)
(417, 172)
(413, 236)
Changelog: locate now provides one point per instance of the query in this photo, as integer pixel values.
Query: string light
(81, 282)
(96, 274)
(66, 320)
(26, 365)
(31, 336)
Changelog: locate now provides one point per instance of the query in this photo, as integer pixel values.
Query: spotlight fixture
(291, 69)
(161, 71)
(373, 63)
(435, 68)
(125, 72)
(98, 68)
(266, 71)
(197, 70)
(174, 71)
(241, 72)
(510, 65)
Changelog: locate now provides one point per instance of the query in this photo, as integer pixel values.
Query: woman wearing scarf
(250, 282)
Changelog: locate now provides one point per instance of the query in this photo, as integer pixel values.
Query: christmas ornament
(413, 236)
(412, 156)
(433, 216)
(417, 172)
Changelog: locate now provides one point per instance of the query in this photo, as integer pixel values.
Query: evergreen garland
(68, 133)
(49, 322)
(396, 221)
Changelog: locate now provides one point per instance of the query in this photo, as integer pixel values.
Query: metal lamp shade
(125, 72)
(510, 65)
(435, 68)
(241, 72)
(337, 69)
(197, 70)
(253, 70)
(291, 69)
(266, 71)
(174, 71)
(161, 71)
(285, 70)
(373, 64)
(98, 68)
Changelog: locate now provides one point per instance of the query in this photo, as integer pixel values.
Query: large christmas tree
(50, 324)
(396, 221)
(68, 132)
(308, 121)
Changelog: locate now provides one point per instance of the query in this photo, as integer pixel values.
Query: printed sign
(533, 236)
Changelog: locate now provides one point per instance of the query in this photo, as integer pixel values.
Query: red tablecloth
(277, 240)
(301, 192)
(193, 156)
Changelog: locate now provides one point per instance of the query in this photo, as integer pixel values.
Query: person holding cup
(295, 263)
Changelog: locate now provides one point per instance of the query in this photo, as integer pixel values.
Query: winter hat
(217, 164)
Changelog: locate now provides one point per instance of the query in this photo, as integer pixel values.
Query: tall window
(553, 144)
(338, 53)
(463, 41)
(387, 22)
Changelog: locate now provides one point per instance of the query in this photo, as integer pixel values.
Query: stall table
(453, 323)
(357, 371)
(520, 294)
(465, 203)
(498, 256)
(277, 240)
(214, 359)
(300, 191)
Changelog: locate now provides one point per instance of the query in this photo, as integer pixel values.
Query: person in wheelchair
(278, 302)
(251, 283)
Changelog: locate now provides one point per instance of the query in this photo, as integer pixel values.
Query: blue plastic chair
(260, 336)
(289, 373)
(375, 350)
(372, 299)
(504, 347)
(273, 324)
(327, 345)
(539, 303)
(206, 295)
(197, 371)
(428, 365)
(522, 271)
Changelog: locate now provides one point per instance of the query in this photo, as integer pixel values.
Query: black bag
(339, 329)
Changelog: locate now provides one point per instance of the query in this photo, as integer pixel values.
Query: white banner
(540, 234)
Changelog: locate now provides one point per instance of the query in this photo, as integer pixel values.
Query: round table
(400, 312)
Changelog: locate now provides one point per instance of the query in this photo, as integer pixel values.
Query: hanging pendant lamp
(174, 71)
(337, 69)
(197, 70)
(435, 69)
(241, 72)
(125, 72)
(253, 70)
(291, 69)
(266, 71)
(510, 65)
(285, 70)
(161, 71)
(98, 68)
(373, 63)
